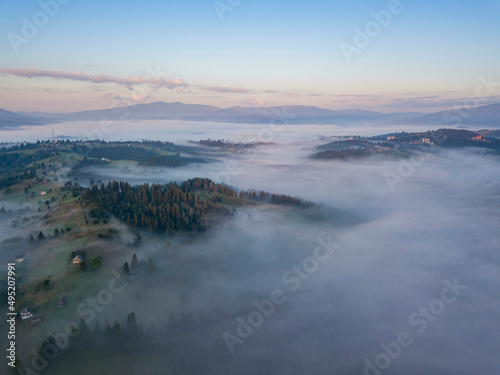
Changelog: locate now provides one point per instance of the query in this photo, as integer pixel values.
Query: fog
(177, 131)
(434, 225)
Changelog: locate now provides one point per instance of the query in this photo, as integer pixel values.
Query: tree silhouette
(96, 263)
(135, 263)
(126, 269)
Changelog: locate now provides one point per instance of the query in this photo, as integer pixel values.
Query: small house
(25, 314)
(43, 192)
(78, 259)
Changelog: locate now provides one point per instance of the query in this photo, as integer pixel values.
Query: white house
(25, 314)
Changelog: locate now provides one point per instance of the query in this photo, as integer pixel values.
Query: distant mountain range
(482, 116)
(13, 119)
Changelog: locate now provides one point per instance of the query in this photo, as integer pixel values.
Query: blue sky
(428, 57)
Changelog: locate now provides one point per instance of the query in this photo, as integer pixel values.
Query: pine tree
(135, 263)
(126, 269)
(84, 328)
(151, 267)
(117, 330)
(97, 330)
(109, 331)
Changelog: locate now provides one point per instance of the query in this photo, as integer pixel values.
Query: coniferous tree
(97, 330)
(126, 269)
(84, 328)
(135, 263)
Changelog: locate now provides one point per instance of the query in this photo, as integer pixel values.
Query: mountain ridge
(486, 115)
(14, 119)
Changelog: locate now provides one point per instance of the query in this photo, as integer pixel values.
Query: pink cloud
(135, 97)
(255, 101)
(237, 90)
(154, 82)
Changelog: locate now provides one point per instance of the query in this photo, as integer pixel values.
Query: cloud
(138, 97)
(135, 96)
(236, 90)
(109, 95)
(174, 83)
(153, 82)
(344, 95)
(255, 101)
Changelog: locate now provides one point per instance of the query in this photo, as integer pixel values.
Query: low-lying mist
(272, 291)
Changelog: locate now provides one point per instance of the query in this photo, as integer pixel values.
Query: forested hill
(162, 207)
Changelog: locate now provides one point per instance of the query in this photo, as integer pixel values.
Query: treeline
(205, 184)
(451, 138)
(279, 199)
(463, 138)
(3, 211)
(346, 143)
(85, 348)
(115, 152)
(341, 154)
(160, 207)
(171, 160)
(223, 144)
(81, 342)
(85, 163)
(9, 180)
(19, 166)
(9, 147)
(15, 162)
(146, 153)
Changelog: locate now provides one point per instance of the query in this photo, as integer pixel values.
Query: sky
(388, 56)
